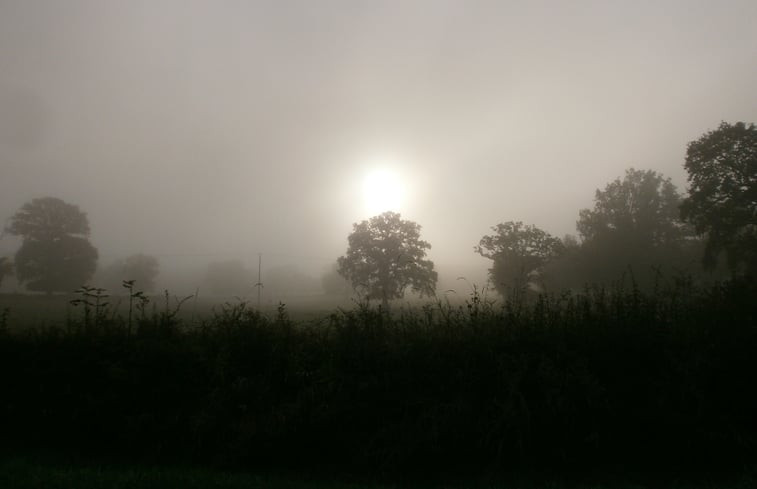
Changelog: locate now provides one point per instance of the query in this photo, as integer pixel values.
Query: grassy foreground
(24, 474)
(20, 473)
(603, 381)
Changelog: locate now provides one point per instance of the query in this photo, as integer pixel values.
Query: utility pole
(259, 285)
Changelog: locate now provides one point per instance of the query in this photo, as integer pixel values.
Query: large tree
(56, 255)
(518, 252)
(722, 201)
(386, 256)
(634, 226)
(643, 206)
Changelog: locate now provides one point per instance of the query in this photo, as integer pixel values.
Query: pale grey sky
(238, 127)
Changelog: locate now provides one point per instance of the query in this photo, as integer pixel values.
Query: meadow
(41, 311)
(600, 381)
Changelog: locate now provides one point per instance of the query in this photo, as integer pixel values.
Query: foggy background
(206, 131)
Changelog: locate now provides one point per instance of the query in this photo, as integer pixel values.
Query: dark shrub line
(601, 378)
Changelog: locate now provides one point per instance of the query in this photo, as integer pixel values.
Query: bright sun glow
(382, 191)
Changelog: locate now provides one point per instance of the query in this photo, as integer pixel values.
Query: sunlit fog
(199, 132)
(378, 243)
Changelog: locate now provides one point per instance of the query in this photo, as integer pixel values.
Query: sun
(383, 190)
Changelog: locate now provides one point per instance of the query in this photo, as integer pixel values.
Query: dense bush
(604, 378)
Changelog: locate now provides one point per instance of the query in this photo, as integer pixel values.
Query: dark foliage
(386, 256)
(519, 253)
(602, 379)
(722, 202)
(55, 265)
(56, 255)
(47, 219)
(633, 228)
(643, 205)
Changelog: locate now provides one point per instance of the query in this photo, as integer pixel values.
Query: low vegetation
(605, 379)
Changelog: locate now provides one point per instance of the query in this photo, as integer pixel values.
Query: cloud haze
(229, 128)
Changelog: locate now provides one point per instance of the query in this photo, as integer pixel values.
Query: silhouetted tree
(518, 252)
(385, 256)
(229, 277)
(56, 254)
(722, 201)
(643, 206)
(569, 269)
(634, 226)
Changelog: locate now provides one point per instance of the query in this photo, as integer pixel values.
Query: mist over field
(342, 243)
(199, 132)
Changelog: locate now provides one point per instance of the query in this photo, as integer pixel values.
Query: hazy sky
(230, 128)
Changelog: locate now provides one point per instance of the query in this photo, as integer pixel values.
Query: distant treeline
(608, 378)
(640, 226)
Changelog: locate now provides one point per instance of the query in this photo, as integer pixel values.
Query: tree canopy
(47, 219)
(722, 201)
(518, 252)
(56, 255)
(643, 206)
(386, 256)
(634, 228)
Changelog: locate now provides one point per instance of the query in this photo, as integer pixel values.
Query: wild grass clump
(603, 378)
